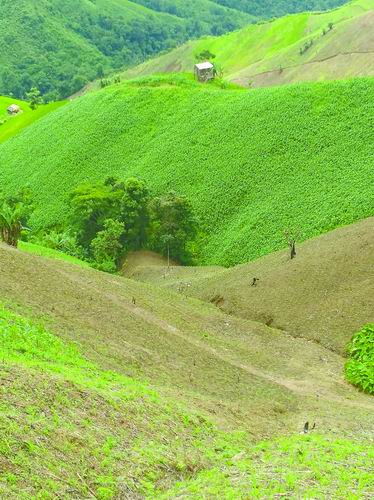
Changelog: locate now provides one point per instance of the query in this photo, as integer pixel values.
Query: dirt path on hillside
(301, 388)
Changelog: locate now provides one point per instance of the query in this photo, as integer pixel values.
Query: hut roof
(204, 65)
(14, 108)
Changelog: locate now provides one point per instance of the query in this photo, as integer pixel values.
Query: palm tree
(11, 223)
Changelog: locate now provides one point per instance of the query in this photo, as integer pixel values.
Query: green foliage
(359, 369)
(34, 98)
(79, 42)
(114, 217)
(174, 226)
(106, 246)
(64, 242)
(126, 202)
(261, 169)
(14, 213)
(277, 8)
(205, 55)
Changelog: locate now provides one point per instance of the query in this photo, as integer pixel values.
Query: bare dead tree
(291, 238)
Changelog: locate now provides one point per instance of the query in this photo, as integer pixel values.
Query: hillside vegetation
(71, 429)
(302, 47)
(11, 125)
(261, 169)
(80, 41)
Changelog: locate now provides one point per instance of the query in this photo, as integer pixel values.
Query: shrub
(61, 241)
(359, 369)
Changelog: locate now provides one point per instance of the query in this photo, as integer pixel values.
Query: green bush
(359, 369)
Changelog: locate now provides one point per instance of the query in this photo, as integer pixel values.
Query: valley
(186, 258)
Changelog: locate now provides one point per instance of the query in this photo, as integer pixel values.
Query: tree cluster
(109, 219)
(266, 9)
(114, 217)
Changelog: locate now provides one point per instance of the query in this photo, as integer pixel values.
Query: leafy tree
(126, 202)
(106, 246)
(134, 213)
(14, 213)
(205, 55)
(10, 224)
(92, 204)
(174, 226)
(34, 97)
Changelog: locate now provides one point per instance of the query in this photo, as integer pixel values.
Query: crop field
(253, 163)
(268, 53)
(11, 125)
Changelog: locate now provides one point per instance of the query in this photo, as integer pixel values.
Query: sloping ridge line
(316, 61)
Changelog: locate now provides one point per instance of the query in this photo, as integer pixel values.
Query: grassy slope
(326, 294)
(255, 53)
(72, 429)
(50, 253)
(253, 163)
(13, 124)
(201, 351)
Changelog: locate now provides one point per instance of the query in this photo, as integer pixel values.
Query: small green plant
(34, 97)
(359, 369)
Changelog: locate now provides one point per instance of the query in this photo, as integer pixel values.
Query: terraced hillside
(11, 125)
(268, 54)
(72, 428)
(253, 163)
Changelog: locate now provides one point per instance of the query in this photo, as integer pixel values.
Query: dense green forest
(277, 8)
(60, 45)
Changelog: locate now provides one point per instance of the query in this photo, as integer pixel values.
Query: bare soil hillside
(325, 294)
(241, 373)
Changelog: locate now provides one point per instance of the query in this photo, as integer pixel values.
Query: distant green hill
(77, 42)
(301, 47)
(11, 125)
(252, 162)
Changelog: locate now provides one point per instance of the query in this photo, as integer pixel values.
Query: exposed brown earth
(241, 373)
(324, 295)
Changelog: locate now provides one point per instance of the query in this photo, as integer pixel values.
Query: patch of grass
(11, 125)
(314, 466)
(71, 429)
(50, 253)
(359, 369)
(252, 163)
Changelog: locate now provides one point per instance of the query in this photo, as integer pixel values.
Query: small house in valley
(13, 109)
(204, 71)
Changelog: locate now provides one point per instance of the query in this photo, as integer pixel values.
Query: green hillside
(268, 53)
(253, 163)
(80, 41)
(11, 125)
(77, 42)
